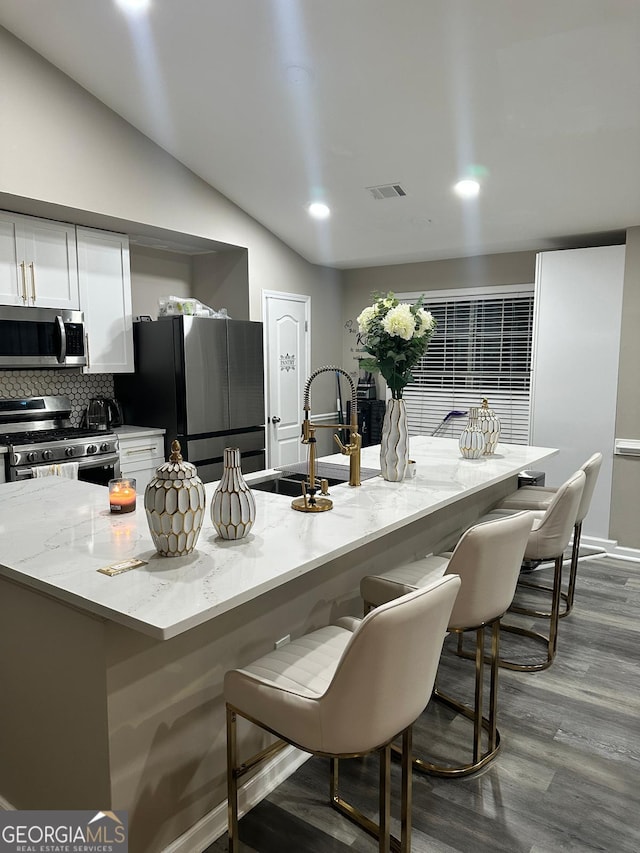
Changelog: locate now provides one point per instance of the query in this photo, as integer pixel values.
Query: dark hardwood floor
(567, 777)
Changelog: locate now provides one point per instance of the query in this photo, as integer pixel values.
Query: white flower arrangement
(396, 335)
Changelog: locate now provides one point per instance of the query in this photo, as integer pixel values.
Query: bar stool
(487, 558)
(539, 498)
(344, 691)
(547, 540)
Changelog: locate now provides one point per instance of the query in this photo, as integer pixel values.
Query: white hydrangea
(365, 318)
(400, 322)
(425, 322)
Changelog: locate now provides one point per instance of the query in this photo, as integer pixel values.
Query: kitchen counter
(130, 431)
(63, 533)
(123, 676)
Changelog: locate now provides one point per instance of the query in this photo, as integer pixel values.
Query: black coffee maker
(102, 413)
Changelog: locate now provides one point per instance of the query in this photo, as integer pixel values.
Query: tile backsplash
(79, 387)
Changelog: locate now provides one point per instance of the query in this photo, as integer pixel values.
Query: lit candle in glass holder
(122, 495)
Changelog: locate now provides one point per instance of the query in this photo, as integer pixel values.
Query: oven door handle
(91, 462)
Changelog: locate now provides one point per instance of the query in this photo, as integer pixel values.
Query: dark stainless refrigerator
(202, 380)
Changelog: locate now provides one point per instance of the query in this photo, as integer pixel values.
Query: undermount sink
(289, 484)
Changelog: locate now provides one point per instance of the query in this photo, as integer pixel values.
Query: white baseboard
(598, 544)
(214, 824)
(5, 805)
(620, 553)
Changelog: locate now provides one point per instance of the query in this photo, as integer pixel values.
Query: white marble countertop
(130, 431)
(56, 533)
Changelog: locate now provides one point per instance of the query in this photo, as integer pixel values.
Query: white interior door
(287, 358)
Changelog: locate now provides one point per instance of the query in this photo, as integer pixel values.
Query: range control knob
(104, 447)
(32, 457)
(47, 454)
(69, 451)
(91, 448)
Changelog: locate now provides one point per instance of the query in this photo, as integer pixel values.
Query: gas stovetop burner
(45, 436)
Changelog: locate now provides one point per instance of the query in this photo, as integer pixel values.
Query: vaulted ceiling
(277, 103)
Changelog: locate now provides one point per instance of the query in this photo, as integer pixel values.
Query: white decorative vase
(174, 502)
(233, 509)
(472, 441)
(489, 423)
(394, 445)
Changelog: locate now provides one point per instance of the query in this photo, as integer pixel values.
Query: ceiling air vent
(387, 191)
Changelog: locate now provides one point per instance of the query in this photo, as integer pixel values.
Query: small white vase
(489, 423)
(472, 440)
(394, 445)
(233, 509)
(174, 502)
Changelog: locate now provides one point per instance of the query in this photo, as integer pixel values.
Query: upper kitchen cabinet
(105, 298)
(38, 265)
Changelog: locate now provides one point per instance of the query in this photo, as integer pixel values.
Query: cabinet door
(105, 298)
(48, 249)
(12, 289)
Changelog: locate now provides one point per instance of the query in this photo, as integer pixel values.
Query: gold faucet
(309, 502)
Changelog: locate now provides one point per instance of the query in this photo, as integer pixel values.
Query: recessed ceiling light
(134, 6)
(467, 188)
(318, 210)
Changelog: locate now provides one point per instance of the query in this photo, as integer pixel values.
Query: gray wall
(508, 268)
(514, 268)
(78, 160)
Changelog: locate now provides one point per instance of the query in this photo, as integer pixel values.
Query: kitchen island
(113, 685)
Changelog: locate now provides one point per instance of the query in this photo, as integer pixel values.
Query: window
(482, 348)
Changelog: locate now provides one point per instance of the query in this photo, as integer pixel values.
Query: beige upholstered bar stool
(548, 539)
(487, 558)
(344, 691)
(539, 498)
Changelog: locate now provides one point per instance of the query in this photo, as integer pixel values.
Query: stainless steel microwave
(41, 337)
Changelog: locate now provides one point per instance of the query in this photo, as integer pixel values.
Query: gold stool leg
(474, 713)
(575, 553)
(494, 738)
(551, 641)
(477, 718)
(407, 793)
(232, 781)
(385, 800)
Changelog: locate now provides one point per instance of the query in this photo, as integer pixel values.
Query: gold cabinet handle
(141, 450)
(23, 268)
(33, 281)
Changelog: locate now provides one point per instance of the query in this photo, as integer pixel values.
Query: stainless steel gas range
(37, 432)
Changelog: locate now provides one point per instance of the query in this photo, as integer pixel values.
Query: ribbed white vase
(394, 445)
(233, 509)
(489, 423)
(472, 439)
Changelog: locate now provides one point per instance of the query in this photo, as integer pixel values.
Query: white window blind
(482, 348)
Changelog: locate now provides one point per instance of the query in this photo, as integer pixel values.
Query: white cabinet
(141, 452)
(105, 298)
(38, 263)
(575, 367)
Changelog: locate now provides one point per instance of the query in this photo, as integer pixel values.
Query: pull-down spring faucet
(308, 502)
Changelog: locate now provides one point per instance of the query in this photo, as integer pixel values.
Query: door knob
(275, 419)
